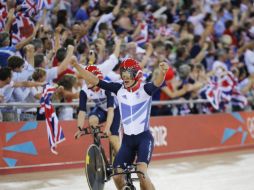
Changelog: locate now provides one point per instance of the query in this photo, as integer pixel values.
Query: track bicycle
(98, 167)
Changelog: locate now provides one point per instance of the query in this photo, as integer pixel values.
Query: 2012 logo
(250, 126)
(160, 135)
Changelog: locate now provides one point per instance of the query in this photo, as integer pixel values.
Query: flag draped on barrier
(224, 90)
(55, 131)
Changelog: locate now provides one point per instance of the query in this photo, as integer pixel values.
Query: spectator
(202, 41)
(82, 13)
(67, 95)
(249, 59)
(40, 60)
(6, 50)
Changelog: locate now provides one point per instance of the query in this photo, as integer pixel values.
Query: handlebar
(93, 131)
(128, 170)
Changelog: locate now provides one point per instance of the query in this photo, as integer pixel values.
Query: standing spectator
(82, 13)
(6, 50)
(249, 59)
(41, 61)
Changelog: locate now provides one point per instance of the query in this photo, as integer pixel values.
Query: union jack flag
(22, 28)
(222, 91)
(238, 99)
(32, 8)
(55, 131)
(41, 4)
(143, 37)
(29, 8)
(3, 15)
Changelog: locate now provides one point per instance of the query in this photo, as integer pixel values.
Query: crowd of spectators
(207, 43)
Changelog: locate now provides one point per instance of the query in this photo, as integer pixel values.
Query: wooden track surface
(226, 171)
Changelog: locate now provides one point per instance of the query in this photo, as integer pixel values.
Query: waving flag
(22, 28)
(213, 95)
(41, 4)
(223, 90)
(55, 132)
(142, 38)
(238, 99)
(29, 8)
(3, 16)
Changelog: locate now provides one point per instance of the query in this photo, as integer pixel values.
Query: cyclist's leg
(145, 150)
(96, 116)
(93, 121)
(114, 129)
(145, 182)
(114, 141)
(125, 156)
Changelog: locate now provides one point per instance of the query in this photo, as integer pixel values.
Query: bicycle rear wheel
(95, 168)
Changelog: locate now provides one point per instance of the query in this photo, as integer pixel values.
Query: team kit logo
(250, 126)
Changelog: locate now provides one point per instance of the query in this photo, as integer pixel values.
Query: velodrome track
(224, 171)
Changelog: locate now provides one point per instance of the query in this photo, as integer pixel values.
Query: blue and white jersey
(135, 110)
(101, 98)
(134, 106)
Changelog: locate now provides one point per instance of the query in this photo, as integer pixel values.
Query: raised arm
(27, 84)
(163, 68)
(64, 65)
(107, 66)
(10, 19)
(86, 75)
(92, 79)
(201, 55)
(57, 38)
(117, 48)
(117, 8)
(29, 39)
(149, 51)
(29, 49)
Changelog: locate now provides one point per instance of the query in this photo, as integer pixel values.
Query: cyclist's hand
(78, 134)
(107, 132)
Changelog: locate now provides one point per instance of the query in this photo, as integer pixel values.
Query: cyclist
(134, 98)
(104, 110)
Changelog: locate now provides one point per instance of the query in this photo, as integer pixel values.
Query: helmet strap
(135, 86)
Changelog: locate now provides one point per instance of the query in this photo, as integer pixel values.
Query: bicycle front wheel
(95, 168)
(128, 188)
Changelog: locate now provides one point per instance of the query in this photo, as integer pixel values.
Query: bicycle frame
(132, 169)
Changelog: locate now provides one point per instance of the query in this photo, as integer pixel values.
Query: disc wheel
(95, 168)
